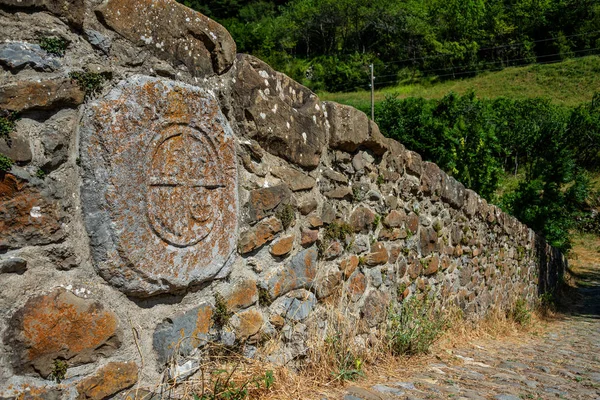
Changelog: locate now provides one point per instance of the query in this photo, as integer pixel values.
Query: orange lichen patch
(301, 272)
(30, 392)
(349, 265)
(170, 183)
(62, 325)
(258, 235)
(26, 216)
(108, 380)
(282, 246)
(25, 95)
(243, 295)
(357, 284)
(200, 43)
(203, 324)
(250, 322)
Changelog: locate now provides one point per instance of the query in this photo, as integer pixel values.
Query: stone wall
(194, 180)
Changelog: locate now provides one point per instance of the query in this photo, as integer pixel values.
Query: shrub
(223, 387)
(416, 325)
(520, 313)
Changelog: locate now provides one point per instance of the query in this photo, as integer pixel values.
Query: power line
(484, 70)
(489, 48)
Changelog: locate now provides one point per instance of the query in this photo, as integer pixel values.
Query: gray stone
(55, 138)
(72, 11)
(98, 40)
(13, 265)
(181, 334)
(387, 389)
(300, 272)
(295, 179)
(159, 187)
(17, 55)
(284, 117)
(16, 146)
(173, 32)
(302, 303)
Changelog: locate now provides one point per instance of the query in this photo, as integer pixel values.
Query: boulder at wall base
(286, 118)
(173, 32)
(159, 187)
(62, 326)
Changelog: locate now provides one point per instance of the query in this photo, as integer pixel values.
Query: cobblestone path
(563, 363)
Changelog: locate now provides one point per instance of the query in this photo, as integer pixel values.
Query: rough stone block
(183, 333)
(173, 32)
(264, 201)
(44, 94)
(295, 179)
(300, 272)
(62, 326)
(17, 56)
(72, 11)
(159, 187)
(29, 214)
(108, 380)
(286, 118)
(259, 234)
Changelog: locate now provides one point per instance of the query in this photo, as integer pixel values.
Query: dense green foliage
(326, 43)
(54, 45)
(548, 147)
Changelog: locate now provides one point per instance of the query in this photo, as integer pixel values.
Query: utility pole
(372, 94)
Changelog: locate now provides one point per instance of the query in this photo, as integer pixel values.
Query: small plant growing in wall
(54, 45)
(380, 180)
(286, 215)
(7, 123)
(264, 298)
(376, 221)
(89, 82)
(59, 370)
(40, 174)
(221, 314)
(357, 195)
(5, 163)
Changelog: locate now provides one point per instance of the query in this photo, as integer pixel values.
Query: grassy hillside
(568, 83)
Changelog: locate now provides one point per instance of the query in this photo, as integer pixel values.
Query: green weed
(59, 370)
(286, 215)
(89, 82)
(520, 313)
(221, 314)
(416, 325)
(5, 163)
(54, 45)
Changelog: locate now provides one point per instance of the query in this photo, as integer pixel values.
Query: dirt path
(563, 363)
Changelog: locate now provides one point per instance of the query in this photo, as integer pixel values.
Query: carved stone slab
(160, 186)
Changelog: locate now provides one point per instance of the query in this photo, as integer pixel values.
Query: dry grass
(328, 348)
(584, 257)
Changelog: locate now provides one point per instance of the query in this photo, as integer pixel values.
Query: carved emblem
(185, 184)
